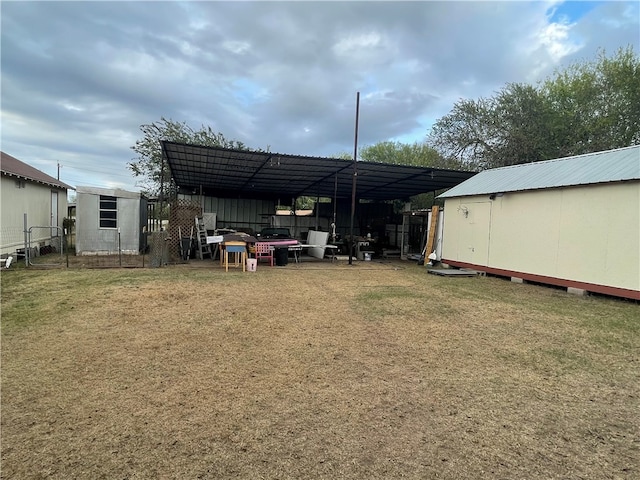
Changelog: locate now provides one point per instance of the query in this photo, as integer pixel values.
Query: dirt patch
(317, 370)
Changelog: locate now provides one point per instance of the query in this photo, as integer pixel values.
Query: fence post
(64, 245)
(26, 242)
(119, 248)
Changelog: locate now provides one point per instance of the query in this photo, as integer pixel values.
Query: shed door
(473, 242)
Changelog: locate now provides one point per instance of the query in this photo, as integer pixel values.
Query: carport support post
(353, 210)
(294, 200)
(161, 186)
(335, 205)
(403, 247)
(355, 176)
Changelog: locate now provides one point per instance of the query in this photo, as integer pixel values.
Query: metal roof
(224, 172)
(112, 192)
(13, 167)
(601, 167)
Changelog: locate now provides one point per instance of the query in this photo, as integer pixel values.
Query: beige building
(27, 190)
(572, 222)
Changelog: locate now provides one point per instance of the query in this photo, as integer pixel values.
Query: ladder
(203, 246)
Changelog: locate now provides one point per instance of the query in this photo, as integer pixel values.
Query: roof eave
(61, 185)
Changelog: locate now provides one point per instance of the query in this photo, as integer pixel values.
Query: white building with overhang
(572, 222)
(28, 194)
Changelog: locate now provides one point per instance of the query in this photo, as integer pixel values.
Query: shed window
(108, 212)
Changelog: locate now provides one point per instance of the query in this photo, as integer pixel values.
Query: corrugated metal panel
(237, 213)
(600, 167)
(246, 174)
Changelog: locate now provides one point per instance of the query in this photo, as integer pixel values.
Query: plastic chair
(264, 250)
(239, 249)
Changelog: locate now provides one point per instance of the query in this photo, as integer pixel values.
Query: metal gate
(44, 242)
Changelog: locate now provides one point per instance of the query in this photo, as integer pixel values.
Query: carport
(224, 172)
(237, 175)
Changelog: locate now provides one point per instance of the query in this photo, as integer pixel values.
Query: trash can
(282, 256)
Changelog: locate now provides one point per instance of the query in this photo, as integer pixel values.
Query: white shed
(572, 222)
(110, 221)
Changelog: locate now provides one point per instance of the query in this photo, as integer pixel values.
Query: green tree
(523, 121)
(397, 153)
(588, 107)
(148, 165)
(466, 134)
(596, 104)
(415, 154)
(511, 127)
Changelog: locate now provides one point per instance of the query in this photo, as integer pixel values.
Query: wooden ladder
(203, 246)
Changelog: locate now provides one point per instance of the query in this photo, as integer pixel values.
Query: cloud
(79, 78)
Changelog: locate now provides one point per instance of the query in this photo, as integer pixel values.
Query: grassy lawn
(376, 370)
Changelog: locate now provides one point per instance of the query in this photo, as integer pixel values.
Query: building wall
(91, 238)
(237, 213)
(253, 215)
(35, 200)
(298, 226)
(588, 234)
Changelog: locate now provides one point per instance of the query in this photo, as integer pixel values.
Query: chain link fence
(50, 247)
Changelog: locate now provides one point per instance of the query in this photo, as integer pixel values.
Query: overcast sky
(79, 78)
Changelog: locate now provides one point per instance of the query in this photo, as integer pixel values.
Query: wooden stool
(239, 249)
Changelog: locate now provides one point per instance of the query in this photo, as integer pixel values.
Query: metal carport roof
(224, 172)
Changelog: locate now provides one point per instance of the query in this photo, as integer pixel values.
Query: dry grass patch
(376, 370)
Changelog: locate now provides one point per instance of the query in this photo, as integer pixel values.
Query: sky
(79, 78)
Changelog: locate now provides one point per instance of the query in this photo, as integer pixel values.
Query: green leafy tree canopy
(148, 168)
(588, 107)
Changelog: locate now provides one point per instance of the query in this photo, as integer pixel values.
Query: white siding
(34, 199)
(587, 234)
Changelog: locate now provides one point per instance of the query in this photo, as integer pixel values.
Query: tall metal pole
(355, 177)
(335, 206)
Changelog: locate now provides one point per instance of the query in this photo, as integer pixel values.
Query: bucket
(252, 264)
(367, 256)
